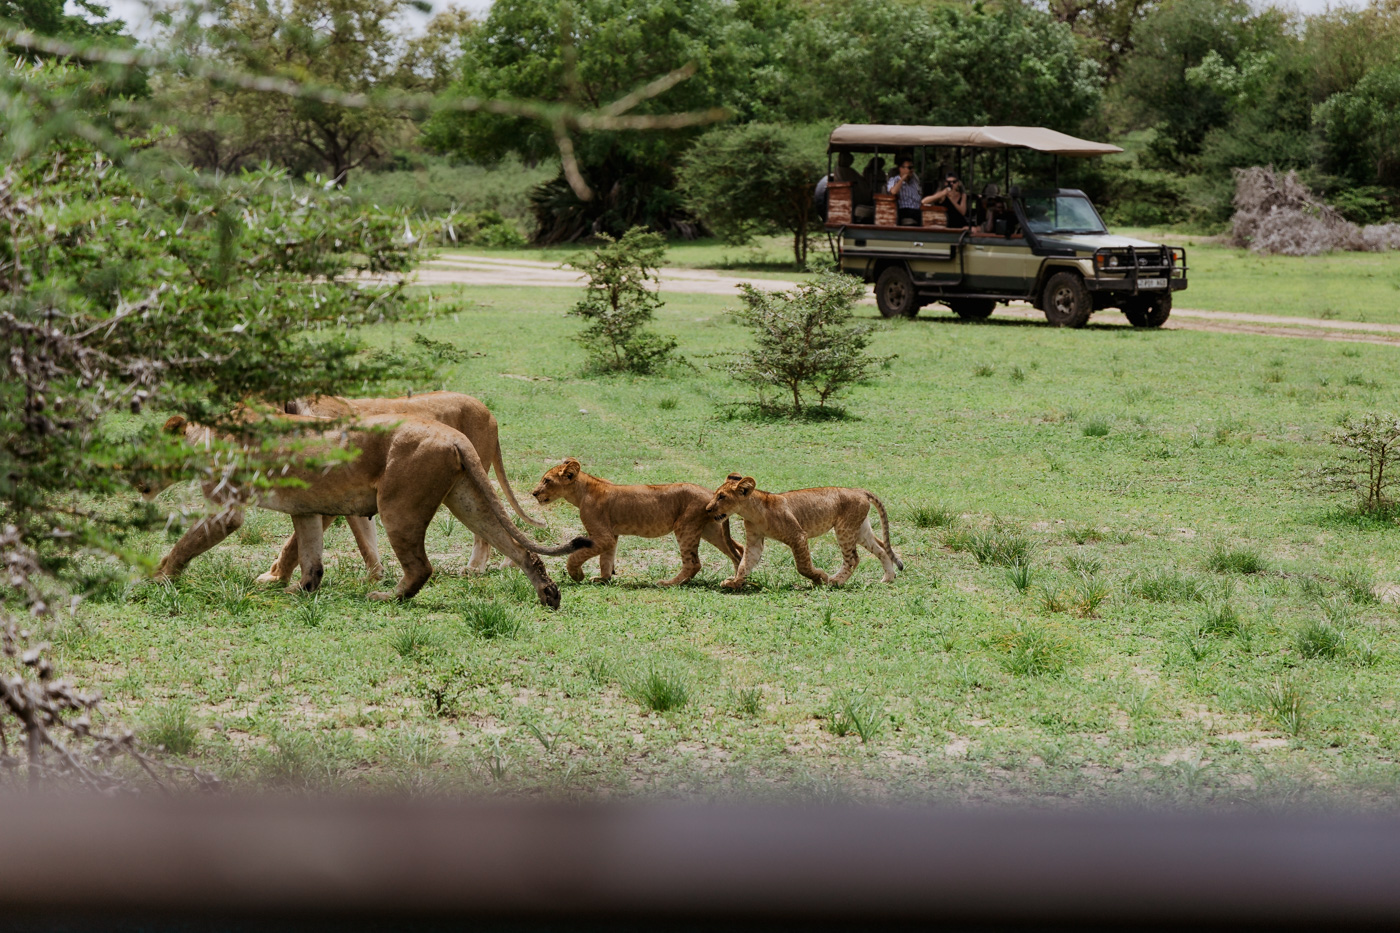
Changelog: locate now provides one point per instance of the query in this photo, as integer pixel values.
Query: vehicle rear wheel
(1144, 311)
(1066, 300)
(894, 293)
(972, 309)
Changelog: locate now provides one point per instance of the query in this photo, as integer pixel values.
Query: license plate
(1151, 283)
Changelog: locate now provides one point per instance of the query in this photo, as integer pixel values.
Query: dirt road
(492, 270)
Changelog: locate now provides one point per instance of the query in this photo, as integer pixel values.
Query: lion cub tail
(885, 521)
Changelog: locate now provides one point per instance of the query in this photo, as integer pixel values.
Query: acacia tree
(750, 180)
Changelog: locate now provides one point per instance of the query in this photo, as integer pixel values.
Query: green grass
(983, 692)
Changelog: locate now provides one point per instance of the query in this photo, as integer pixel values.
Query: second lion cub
(608, 511)
(795, 517)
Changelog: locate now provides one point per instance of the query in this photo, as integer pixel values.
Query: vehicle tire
(972, 309)
(1148, 312)
(894, 293)
(1066, 300)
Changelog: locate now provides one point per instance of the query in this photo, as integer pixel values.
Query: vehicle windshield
(1061, 214)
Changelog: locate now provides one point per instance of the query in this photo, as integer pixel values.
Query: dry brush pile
(1276, 213)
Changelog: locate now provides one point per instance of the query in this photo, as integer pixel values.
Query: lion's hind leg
(874, 546)
(688, 538)
(847, 538)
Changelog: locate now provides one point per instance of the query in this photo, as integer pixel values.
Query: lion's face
(729, 496)
(556, 481)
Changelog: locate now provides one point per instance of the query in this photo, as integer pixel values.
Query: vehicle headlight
(1113, 262)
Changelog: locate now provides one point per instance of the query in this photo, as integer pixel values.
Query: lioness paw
(733, 583)
(382, 596)
(268, 577)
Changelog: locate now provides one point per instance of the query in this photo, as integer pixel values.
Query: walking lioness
(458, 411)
(795, 517)
(404, 470)
(609, 510)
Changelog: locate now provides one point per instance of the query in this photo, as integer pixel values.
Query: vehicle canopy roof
(871, 137)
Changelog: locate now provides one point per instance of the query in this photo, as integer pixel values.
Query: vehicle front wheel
(1066, 300)
(1146, 311)
(972, 309)
(894, 293)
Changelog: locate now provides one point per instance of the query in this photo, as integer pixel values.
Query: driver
(953, 197)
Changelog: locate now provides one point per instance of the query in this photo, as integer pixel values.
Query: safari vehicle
(1048, 246)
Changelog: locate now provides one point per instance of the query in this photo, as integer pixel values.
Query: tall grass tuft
(749, 700)
(171, 728)
(311, 612)
(1033, 650)
(853, 712)
(659, 690)
(1000, 546)
(1236, 560)
(1095, 427)
(1089, 593)
(1222, 619)
(1020, 576)
(414, 639)
(1320, 640)
(490, 619)
(1285, 703)
(1170, 586)
(1359, 586)
(937, 515)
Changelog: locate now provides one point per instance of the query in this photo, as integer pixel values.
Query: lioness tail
(885, 520)
(471, 464)
(498, 463)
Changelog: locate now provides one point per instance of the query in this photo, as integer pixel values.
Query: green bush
(618, 303)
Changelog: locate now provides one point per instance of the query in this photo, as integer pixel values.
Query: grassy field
(1115, 589)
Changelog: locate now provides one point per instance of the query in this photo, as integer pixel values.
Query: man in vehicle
(905, 187)
(953, 197)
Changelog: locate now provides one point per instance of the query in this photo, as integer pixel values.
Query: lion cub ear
(571, 467)
(733, 477)
(175, 425)
(746, 485)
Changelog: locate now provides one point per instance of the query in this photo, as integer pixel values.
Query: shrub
(483, 228)
(618, 304)
(659, 690)
(1369, 448)
(807, 340)
(757, 178)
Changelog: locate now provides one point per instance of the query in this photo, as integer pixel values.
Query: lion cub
(609, 510)
(795, 517)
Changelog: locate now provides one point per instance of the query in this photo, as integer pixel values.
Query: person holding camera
(906, 189)
(953, 198)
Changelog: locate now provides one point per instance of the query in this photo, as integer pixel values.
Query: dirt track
(492, 270)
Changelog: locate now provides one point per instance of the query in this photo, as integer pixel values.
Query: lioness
(609, 510)
(405, 469)
(462, 412)
(795, 517)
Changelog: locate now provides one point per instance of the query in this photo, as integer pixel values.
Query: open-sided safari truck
(1047, 246)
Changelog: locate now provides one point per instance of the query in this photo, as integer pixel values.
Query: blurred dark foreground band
(724, 866)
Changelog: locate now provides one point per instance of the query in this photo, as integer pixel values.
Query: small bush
(933, 516)
(1369, 446)
(807, 341)
(1320, 639)
(1236, 560)
(490, 619)
(659, 690)
(171, 728)
(1034, 650)
(1096, 427)
(618, 304)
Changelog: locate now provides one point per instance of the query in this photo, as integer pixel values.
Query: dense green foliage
(754, 179)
